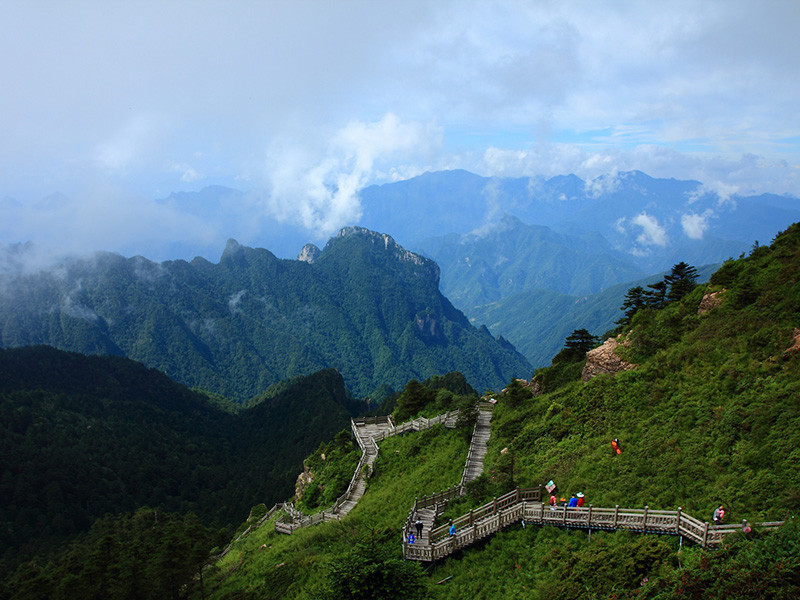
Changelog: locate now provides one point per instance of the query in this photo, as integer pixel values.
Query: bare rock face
(534, 386)
(605, 360)
(795, 347)
(710, 301)
(304, 480)
(309, 253)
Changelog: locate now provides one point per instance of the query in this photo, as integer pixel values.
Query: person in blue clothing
(452, 529)
(573, 502)
(411, 538)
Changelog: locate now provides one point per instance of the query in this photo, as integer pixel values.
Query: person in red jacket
(580, 499)
(615, 446)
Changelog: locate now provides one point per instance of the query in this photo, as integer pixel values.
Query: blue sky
(115, 104)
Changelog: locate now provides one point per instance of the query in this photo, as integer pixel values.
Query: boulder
(604, 360)
(709, 301)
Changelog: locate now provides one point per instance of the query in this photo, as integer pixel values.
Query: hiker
(563, 501)
(411, 538)
(580, 499)
(615, 445)
(452, 530)
(553, 502)
(719, 512)
(573, 502)
(418, 525)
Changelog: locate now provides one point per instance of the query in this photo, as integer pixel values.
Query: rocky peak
(387, 243)
(309, 253)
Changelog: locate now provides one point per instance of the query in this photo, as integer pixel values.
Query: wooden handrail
(369, 447)
(525, 504)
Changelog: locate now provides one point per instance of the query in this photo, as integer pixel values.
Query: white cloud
(652, 233)
(321, 192)
(694, 225)
(605, 184)
(722, 191)
(151, 98)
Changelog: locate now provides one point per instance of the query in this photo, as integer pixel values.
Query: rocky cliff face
(309, 253)
(605, 360)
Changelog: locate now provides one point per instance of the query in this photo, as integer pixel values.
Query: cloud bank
(302, 104)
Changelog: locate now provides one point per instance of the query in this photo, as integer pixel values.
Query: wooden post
(471, 518)
(494, 505)
(516, 496)
(644, 523)
(705, 534)
(540, 492)
(616, 515)
(589, 520)
(678, 520)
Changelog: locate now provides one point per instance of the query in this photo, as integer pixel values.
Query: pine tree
(681, 281)
(635, 299)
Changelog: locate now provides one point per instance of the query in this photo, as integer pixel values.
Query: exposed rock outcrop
(309, 253)
(709, 301)
(534, 386)
(304, 480)
(795, 347)
(605, 360)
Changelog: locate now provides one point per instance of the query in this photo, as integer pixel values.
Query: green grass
(270, 565)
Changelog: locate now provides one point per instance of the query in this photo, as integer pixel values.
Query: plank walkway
(525, 505)
(368, 431)
(427, 508)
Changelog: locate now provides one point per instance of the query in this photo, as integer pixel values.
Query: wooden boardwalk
(525, 505)
(368, 431)
(427, 508)
(477, 446)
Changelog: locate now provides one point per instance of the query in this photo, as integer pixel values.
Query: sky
(108, 107)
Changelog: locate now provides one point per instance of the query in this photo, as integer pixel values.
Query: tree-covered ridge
(363, 305)
(82, 436)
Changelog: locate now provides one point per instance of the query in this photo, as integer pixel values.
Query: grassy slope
(293, 566)
(710, 415)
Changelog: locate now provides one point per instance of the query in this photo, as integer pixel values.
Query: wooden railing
(369, 447)
(485, 406)
(458, 490)
(525, 505)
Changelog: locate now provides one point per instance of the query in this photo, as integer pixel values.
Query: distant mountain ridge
(537, 321)
(509, 257)
(654, 222)
(363, 305)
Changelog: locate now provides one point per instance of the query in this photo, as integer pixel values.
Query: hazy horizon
(113, 106)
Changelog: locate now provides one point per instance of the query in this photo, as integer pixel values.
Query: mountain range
(653, 222)
(363, 305)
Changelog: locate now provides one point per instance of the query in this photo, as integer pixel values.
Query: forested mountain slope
(84, 436)
(362, 305)
(538, 321)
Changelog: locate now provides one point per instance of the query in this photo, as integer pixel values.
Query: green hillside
(709, 416)
(84, 436)
(537, 321)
